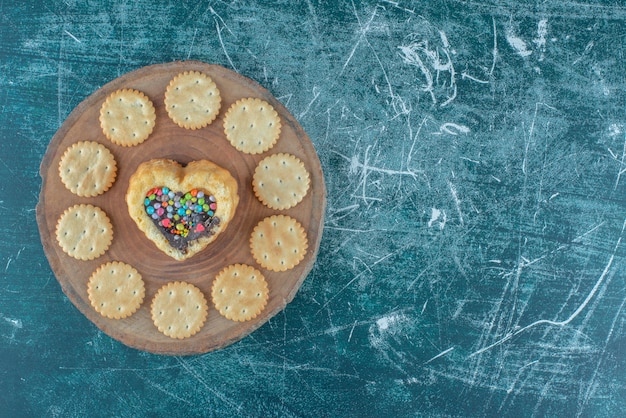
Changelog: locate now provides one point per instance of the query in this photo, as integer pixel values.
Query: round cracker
(240, 292)
(116, 290)
(127, 117)
(280, 181)
(192, 100)
(87, 168)
(179, 309)
(278, 243)
(252, 125)
(84, 232)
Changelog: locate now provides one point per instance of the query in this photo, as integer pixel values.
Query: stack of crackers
(278, 243)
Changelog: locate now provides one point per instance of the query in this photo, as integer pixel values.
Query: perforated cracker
(84, 232)
(87, 168)
(278, 243)
(116, 290)
(252, 125)
(192, 100)
(127, 117)
(280, 181)
(179, 310)
(240, 292)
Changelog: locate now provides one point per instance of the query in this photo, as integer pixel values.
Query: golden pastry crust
(201, 174)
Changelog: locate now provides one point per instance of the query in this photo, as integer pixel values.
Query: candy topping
(181, 216)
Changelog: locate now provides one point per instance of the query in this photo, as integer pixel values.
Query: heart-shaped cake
(182, 209)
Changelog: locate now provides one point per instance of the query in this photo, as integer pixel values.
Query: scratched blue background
(473, 260)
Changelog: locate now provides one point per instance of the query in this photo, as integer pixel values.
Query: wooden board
(131, 246)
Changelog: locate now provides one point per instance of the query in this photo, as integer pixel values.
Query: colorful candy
(180, 213)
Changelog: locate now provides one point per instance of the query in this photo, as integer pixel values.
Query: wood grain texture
(131, 246)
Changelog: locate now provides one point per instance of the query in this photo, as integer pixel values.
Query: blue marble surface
(473, 259)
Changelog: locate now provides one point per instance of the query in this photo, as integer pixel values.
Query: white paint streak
(439, 217)
(16, 323)
(452, 129)
(443, 353)
(517, 43)
(363, 31)
(219, 36)
(457, 202)
(574, 314)
(540, 40)
(432, 61)
(193, 40)
(494, 52)
(72, 36)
